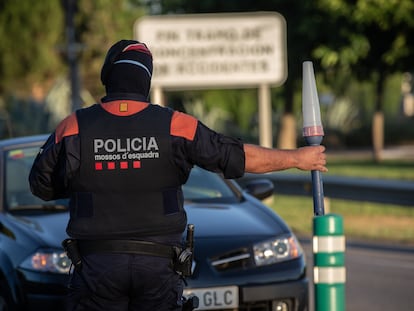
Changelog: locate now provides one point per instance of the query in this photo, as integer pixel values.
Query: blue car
(246, 257)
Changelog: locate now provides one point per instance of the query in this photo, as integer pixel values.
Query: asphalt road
(379, 277)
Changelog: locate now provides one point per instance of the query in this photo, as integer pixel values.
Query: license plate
(213, 298)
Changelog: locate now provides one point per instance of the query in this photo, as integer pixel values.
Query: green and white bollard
(329, 271)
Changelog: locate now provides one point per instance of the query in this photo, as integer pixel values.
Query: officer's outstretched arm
(262, 160)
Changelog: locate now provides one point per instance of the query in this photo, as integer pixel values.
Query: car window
(203, 185)
(18, 196)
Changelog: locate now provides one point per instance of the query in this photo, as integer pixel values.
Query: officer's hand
(311, 158)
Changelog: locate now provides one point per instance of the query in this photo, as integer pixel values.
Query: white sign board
(215, 50)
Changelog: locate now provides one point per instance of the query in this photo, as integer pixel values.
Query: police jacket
(122, 163)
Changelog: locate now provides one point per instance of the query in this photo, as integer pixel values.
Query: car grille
(238, 259)
(242, 259)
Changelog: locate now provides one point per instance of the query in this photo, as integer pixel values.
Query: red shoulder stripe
(69, 126)
(183, 125)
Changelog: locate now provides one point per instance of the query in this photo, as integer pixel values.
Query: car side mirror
(259, 188)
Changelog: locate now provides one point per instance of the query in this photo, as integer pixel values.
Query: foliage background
(361, 50)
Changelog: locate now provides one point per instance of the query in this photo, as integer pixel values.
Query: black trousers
(125, 282)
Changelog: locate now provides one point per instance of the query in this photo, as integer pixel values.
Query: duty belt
(126, 246)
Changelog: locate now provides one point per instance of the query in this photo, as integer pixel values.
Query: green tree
(30, 36)
(33, 48)
(100, 24)
(374, 41)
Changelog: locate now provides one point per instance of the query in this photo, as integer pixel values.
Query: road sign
(215, 50)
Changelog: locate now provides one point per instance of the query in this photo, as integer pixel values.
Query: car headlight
(55, 261)
(276, 250)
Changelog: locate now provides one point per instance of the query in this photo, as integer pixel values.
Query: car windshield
(18, 196)
(202, 186)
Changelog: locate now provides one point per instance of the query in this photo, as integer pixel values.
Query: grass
(362, 220)
(387, 169)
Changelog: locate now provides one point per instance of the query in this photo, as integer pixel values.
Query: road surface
(379, 277)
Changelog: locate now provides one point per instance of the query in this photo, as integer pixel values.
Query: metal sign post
(328, 235)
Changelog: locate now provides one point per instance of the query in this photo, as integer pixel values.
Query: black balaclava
(127, 69)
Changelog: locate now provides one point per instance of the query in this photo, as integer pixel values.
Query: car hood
(48, 229)
(241, 219)
(210, 219)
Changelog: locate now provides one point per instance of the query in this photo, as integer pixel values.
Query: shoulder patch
(68, 127)
(183, 125)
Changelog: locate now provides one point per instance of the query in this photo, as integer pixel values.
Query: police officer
(122, 163)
